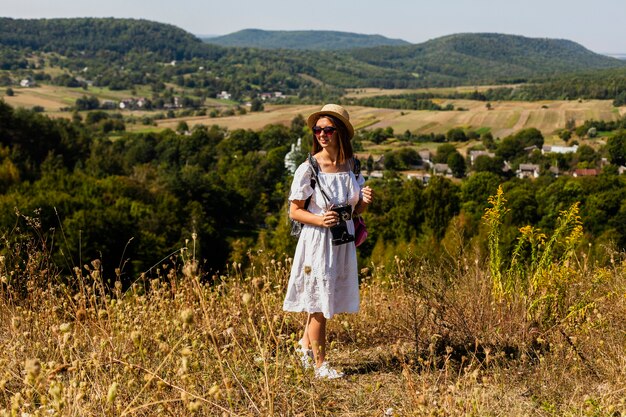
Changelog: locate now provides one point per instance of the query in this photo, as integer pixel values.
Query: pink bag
(360, 231)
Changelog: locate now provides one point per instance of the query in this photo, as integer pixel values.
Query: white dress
(324, 277)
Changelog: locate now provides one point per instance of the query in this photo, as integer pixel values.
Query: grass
(431, 339)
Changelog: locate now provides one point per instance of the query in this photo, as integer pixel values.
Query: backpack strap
(356, 167)
(314, 166)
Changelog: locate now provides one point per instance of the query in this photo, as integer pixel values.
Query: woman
(324, 278)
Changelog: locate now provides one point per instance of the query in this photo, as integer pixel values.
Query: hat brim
(313, 118)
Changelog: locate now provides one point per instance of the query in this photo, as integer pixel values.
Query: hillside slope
(93, 36)
(487, 56)
(305, 39)
(461, 59)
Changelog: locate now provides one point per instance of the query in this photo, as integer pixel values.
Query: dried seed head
(187, 316)
(112, 394)
(32, 367)
(246, 298)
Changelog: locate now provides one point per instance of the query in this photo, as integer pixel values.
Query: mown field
(504, 118)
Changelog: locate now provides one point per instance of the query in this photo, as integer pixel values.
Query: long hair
(345, 146)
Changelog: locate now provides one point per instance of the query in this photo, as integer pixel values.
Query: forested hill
(141, 46)
(305, 39)
(481, 56)
(98, 36)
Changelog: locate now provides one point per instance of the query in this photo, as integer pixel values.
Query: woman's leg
(317, 336)
(305, 343)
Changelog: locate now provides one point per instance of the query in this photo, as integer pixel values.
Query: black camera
(340, 230)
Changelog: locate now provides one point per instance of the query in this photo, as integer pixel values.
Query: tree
(182, 127)
(488, 142)
(443, 151)
(9, 92)
(369, 164)
(257, 105)
(510, 148)
(456, 135)
(484, 163)
(586, 153)
(87, 103)
(616, 148)
(530, 137)
(456, 162)
(297, 124)
(442, 204)
(565, 134)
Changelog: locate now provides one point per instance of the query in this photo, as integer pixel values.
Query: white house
(558, 149)
(26, 83)
(224, 95)
(422, 177)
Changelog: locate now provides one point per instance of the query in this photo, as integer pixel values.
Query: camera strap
(314, 170)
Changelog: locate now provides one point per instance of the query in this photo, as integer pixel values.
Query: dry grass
(430, 340)
(503, 119)
(375, 92)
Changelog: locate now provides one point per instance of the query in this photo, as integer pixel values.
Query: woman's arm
(367, 196)
(298, 213)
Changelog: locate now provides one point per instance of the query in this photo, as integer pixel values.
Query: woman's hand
(330, 218)
(368, 195)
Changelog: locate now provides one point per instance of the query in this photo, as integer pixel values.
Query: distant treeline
(600, 85)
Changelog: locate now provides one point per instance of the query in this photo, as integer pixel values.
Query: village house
(442, 170)
(558, 149)
(527, 171)
(133, 103)
(374, 174)
(272, 96)
(475, 154)
(224, 95)
(554, 171)
(27, 83)
(426, 156)
(423, 177)
(586, 172)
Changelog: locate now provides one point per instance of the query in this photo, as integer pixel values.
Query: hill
(126, 53)
(463, 58)
(305, 39)
(94, 36)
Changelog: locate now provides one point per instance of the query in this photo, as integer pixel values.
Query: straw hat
(332, 110)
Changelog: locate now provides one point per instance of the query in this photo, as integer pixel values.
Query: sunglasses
(328, 130)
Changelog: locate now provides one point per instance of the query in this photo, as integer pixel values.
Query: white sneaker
(326, 372)
(306, 357)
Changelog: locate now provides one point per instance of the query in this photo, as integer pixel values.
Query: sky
(596, 24)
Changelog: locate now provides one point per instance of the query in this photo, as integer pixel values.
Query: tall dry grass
(432, 339)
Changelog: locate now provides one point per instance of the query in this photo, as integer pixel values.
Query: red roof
(586, 172)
